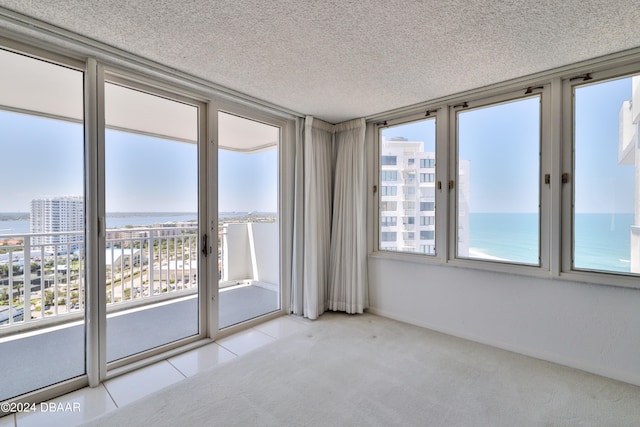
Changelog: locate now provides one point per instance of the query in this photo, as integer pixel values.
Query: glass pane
(249, 242)
(606, 229)
(151, 192)
(498, 182)
(41, 224)
(407, 187)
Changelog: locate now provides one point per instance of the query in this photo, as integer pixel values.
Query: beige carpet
(370, 371)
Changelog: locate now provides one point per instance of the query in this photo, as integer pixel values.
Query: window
(498, 194)
(409, 220)
(427, 206)
(389, 221)
(427, 177)
(606, 231)
(427, 163)
(500, 188)
(148, 255)
(404, 143)
(427, 235)
(388, 236)
(42, 227)
(389, 160)
(248, 219)
(388, 206)
(389, 176)
(388, 190)
(428, 249)
(427, 220)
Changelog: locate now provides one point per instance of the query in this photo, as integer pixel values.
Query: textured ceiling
(341, 59)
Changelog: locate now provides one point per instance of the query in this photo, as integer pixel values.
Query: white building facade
(629, 154)
(58, 214)
(408, 198)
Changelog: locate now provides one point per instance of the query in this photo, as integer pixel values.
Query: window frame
(566, 268)
(556, 157)
(446, 176)
(439, 196)
(133, 81)
(286, 179)
(126, 72)
(90, 229)
(542, 91)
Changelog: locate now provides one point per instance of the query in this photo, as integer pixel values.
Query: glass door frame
(98, 345)
(208, 103)
(80, 65)
(286, 158)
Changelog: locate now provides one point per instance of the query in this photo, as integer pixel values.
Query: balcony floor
(37, 359)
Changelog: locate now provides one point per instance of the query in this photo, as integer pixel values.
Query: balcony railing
(42, 278)
(145, 262)
(42, 274)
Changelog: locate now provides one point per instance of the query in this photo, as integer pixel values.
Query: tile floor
(87, 403)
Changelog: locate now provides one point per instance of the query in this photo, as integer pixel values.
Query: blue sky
(248, 182)
(40, 157)
(423, 130)
(44, 157)
(502, 145)
(491, 139)
(602, 185)
(145, 174)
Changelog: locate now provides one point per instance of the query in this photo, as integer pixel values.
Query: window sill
(594, 278)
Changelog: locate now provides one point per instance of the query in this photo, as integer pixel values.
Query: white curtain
(329, 265)
(312, 235)
(348, 290)
(297, 265)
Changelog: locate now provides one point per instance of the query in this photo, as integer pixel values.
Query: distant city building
(408, 198)
(57, 215)
(629, 154)
(165, 229)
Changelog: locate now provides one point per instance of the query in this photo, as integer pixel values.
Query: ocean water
(14, 226)
(141, 220)
(601, 243)
(113, 221)
(601, 240)
(511, 237)
(121, 220)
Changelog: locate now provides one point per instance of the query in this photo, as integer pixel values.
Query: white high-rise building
(57, 215)
(408, 198)
(629, 154)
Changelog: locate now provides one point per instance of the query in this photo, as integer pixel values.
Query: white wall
(238, 254)
(265, 237)
(252, 252)
(590, 327)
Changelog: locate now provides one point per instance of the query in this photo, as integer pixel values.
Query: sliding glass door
(151, 202)
(248, 219)
(42, 229)
(95, 278)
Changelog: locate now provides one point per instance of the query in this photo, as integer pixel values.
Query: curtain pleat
(329, 242)
(348, 290)
(316, 180)
(297, 265)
